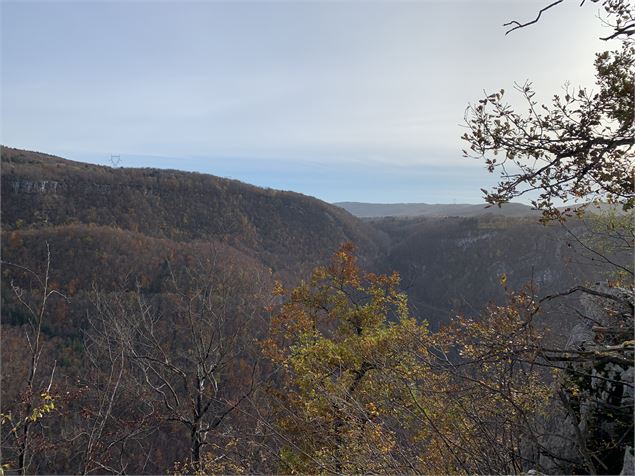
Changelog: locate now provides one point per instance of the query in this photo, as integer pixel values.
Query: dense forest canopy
(161, 321)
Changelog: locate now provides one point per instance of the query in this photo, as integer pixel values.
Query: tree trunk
(196, 445)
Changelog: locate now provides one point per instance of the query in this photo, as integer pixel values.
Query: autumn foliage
(367, 388)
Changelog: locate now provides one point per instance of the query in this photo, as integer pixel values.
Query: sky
(343, 100)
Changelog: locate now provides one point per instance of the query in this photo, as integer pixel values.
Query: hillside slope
(451, 265)
(104, 223)
(281, 228)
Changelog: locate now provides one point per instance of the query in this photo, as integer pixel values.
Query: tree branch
(535, 20)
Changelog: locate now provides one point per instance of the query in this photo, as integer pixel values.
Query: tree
(367, 388)
(346, 344)
(578, 147)
(33, 396)
(498, 385)
(114, 413)
(182, 346)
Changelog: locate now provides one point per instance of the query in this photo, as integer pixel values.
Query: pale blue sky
(353, 100)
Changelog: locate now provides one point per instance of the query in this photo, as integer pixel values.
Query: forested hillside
(112, 226)
(282, 228)
(156, 321)
(453, 265)
(105, 266)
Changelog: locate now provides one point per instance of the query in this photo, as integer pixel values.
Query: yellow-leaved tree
(358, 387)
(365, 387)
(350, 351)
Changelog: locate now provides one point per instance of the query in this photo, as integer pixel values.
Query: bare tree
(116, 418)
(35, 395)
(184, 345)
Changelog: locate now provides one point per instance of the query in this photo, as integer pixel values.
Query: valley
(142, 251)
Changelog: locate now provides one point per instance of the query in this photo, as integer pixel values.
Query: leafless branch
(535, 20)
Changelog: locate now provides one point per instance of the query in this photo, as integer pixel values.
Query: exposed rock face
(592, 431)
(35, 186)
(628, 468)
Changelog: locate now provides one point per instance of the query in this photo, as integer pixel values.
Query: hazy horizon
(345, 101)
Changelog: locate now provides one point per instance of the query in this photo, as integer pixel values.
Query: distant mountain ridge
(378, 210)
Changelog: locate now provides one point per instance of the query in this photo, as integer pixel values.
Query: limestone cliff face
(35, 186)
(592, 429)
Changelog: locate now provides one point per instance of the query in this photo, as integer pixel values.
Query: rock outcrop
(592, 430)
